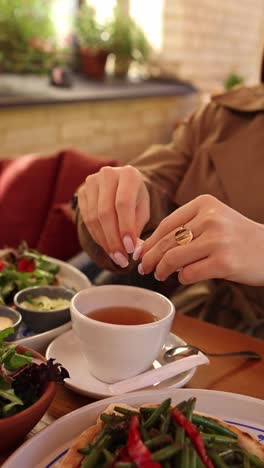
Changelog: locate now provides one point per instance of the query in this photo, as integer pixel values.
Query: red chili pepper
(122, 452)
(2, 265)
(136, 448)
(25, 265)
(123, 455)
(193, 434)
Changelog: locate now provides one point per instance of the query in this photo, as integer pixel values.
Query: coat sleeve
(163, 167)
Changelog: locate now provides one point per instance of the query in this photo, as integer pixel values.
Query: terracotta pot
(14, 428)
(93, 62)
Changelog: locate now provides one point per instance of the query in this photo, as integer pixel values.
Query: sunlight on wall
(149, 15)
(63, 14)
(104, 8)
(150, 18)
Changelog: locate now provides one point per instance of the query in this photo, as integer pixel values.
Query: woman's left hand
(225, 245)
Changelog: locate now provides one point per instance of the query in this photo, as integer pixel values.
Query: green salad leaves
(23, 268)
(22, 381)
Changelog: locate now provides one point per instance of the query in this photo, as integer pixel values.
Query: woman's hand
(114, 205)
(225, 245)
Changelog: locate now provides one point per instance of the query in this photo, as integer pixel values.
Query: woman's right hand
(114, 205)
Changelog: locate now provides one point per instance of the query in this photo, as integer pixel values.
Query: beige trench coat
(219, 151)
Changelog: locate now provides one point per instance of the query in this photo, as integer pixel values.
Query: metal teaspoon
(176, 351)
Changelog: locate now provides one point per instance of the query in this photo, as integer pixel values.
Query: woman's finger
(178, 218)
(108, 183)
(199, 271)
(181, 256)
(168, 242)
(142, 212)
(126, 204)
(88, 209)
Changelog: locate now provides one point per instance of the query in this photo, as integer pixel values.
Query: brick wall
(120, 129)
(206, 40)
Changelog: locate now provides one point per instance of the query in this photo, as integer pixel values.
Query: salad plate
(68, 276)
(46, 449)
(66, 349)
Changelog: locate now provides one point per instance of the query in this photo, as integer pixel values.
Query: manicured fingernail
(120, 259)
(138, 249)
(138, 252)
(156, 276)
(128, 244)
(112, 257)
(140, 269)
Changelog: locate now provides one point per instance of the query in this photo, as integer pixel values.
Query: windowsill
(19, 90)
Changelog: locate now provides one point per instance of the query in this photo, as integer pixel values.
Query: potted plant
(27, 36)
(92, 40)
(127, 42)
(232, 80)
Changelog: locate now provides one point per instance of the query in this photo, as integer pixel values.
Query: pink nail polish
(156, 276)
(140, 269)
(120, 259)
(138, 252)
(128, 244)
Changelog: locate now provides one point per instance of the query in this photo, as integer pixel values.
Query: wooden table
(231, 374)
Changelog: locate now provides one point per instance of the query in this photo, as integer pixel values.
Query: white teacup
(117, 352)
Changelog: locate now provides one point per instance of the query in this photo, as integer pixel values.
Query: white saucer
(66, 350)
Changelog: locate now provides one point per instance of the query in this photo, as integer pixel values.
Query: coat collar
(242, 99)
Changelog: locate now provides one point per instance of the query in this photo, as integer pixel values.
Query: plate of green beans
(153, 429)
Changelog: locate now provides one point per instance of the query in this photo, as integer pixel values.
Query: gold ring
(183, 236)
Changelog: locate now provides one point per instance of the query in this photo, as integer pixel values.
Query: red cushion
(26, 190)
(74, 168)
(59, 238)
(34, 200)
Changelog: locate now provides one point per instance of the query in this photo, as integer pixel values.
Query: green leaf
(4, 385)
(4, 333)
(10, 396)
(6, 352)
(127, 39)
(22, 21)
(233, 80)
(17, 361)
(8, 288)
(88, 31)
(12, 280)
(8, 355)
